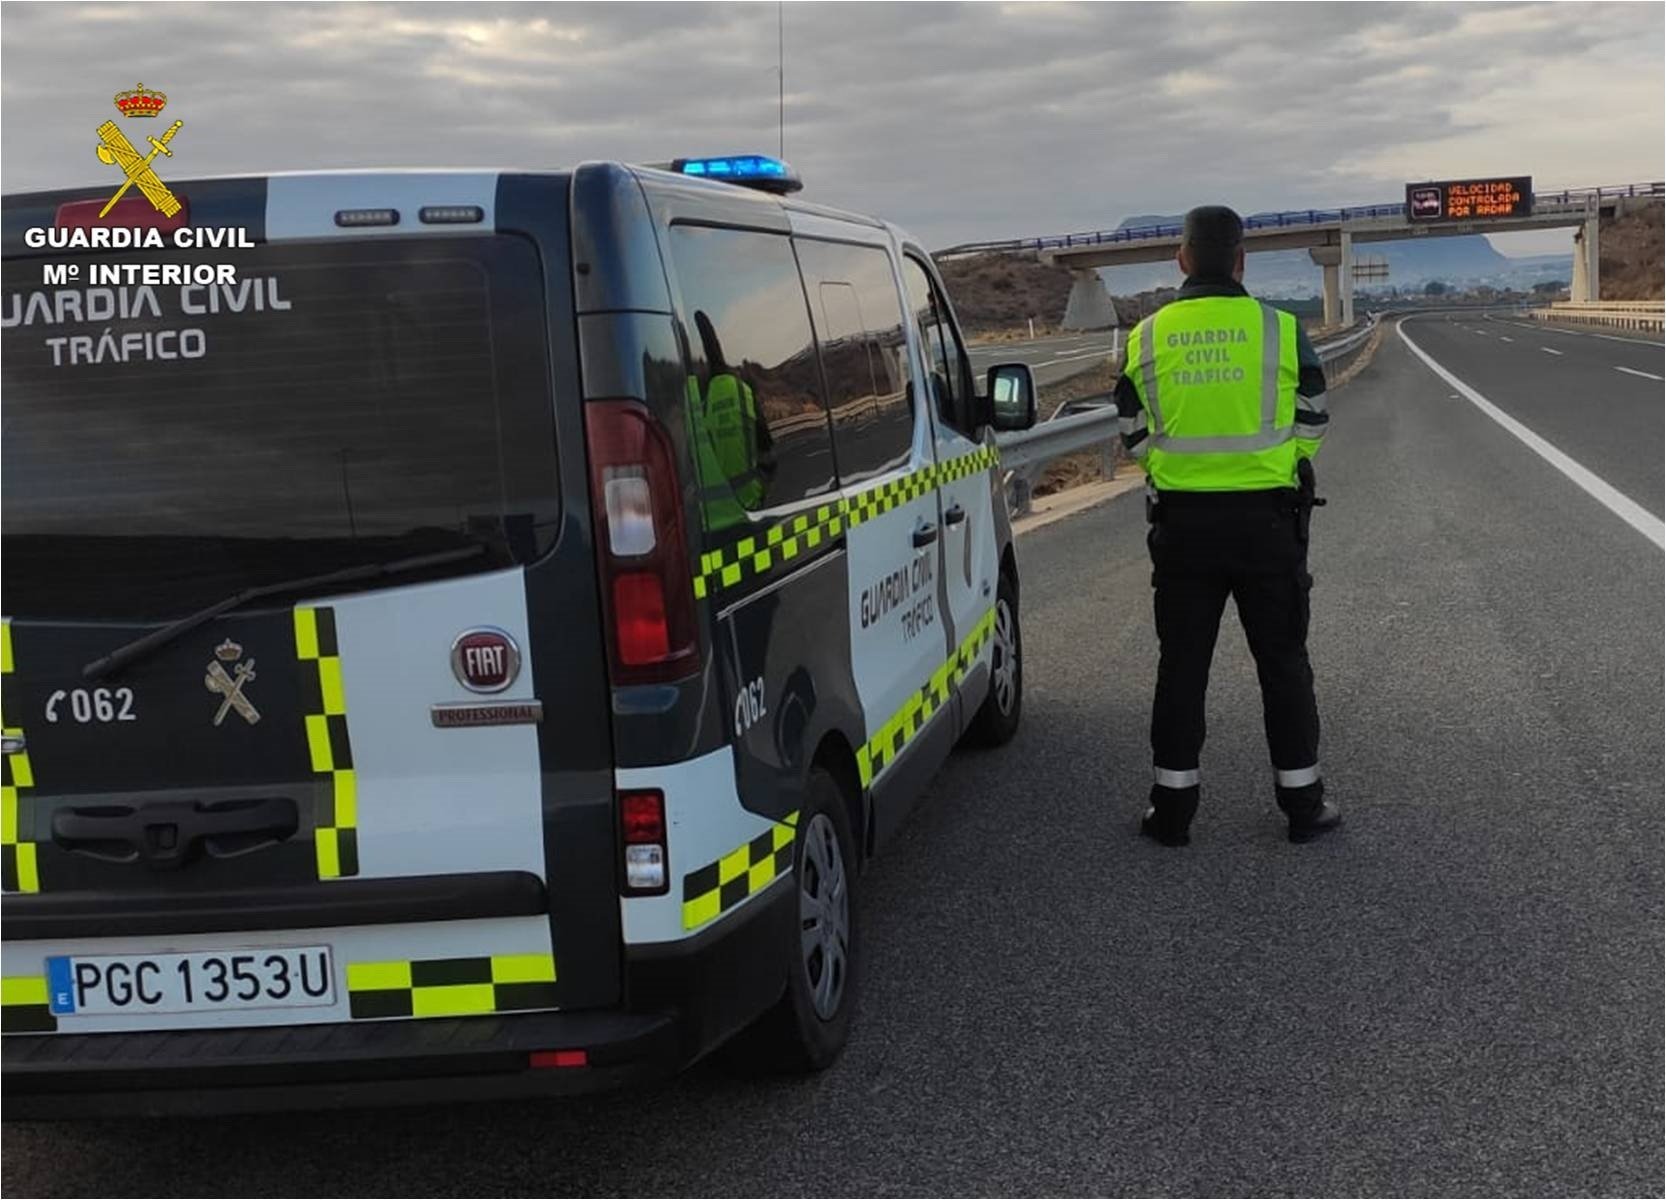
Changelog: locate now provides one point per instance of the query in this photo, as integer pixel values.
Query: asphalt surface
(1595, 395)
(1053, 358)
(1459, 993)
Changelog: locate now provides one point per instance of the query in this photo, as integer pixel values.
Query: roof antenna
(781, 68)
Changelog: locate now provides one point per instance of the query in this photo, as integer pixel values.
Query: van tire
(996, 720)
(796, 1036)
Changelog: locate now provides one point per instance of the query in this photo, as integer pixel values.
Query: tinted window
(864, 355)
(341, 403)
(756, 423)
(947, 365)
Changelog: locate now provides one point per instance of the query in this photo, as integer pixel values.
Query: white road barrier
(1646, 315)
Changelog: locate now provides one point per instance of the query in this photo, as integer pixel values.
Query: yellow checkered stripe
(24, 1007)
(324, 705)
(884, 746)
(19, 868)
(781, 544)
(984, 458)
(758, 554)
(451, 987)
(717, 887)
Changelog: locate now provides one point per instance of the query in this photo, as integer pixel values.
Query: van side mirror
(1011, 396)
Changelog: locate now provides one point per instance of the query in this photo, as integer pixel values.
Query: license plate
(212, 981)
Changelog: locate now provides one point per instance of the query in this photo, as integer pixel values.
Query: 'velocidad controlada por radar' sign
(1470, 199)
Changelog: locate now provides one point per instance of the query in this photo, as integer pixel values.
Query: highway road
(1053, 358)
(1459, 993)
(1595, 395)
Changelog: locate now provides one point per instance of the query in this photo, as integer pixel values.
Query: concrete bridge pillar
(1090, 304)
(1346, 269)
(1585, 286)
(1329, 258)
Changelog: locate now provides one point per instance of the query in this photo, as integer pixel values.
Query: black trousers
(1204, 548)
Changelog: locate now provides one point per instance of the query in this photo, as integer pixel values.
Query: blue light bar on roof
(749, 170)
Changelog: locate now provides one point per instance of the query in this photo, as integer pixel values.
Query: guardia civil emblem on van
(229, 684)
(115, 150)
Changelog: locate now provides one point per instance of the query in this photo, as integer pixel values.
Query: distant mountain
(1469, 259)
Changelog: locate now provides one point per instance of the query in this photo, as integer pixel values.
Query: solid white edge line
(1644, 374)
(1628, 510)
(1629, 341)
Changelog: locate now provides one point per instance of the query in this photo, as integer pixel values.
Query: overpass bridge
(1329, 236)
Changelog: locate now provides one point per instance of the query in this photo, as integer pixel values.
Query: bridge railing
(1091, 422)
(1296, 218)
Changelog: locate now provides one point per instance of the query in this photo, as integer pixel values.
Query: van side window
(864, 355)
(946, 364)
(756, 423)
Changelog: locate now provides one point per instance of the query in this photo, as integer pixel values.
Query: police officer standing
(1222, 400)
(731, 444)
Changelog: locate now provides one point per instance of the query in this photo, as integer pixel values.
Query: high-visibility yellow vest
(724, 426)
(1216, 377)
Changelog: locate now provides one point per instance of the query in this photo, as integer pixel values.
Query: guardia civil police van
(465, 632)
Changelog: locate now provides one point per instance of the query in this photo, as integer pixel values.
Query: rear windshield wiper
(139, 647)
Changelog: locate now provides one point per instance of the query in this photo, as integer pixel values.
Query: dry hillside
(1632, 255)
(1001, 293)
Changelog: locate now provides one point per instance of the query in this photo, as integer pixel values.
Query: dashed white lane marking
(1644, 374)
(1548, 350)
(1502, 338)
(1604, 493)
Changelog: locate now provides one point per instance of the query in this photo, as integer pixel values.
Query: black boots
(1316, 823)
(1169, 818)
(1310, 814)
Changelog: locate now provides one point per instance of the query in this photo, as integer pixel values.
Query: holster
(1307, 498)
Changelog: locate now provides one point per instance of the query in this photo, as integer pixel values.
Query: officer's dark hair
(1211, 238)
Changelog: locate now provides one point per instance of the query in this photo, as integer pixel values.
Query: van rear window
(341, 403)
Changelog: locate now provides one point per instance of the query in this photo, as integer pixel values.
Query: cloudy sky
(957, 121)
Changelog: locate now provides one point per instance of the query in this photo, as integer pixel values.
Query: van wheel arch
(1009, 568)
(835, 756)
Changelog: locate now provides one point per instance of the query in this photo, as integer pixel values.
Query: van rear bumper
(687, 996)
(304, 1066)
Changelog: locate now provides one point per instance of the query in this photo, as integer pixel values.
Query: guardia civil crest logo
(115, 150)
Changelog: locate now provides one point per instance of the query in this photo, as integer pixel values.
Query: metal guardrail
(1648, 306)
(1551, 201)
(1648, 316)
(1091, 421)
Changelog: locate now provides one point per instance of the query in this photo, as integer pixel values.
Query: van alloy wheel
(1005, 665)
(824, 916)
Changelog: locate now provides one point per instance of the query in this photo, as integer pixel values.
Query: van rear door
(398, 780)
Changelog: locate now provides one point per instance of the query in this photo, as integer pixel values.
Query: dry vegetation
(1088, 466)
(1632, 255)
(998, 294)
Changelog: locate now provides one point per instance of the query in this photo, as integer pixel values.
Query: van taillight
(640, 548)
(642, 824)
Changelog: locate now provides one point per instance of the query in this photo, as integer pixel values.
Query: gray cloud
(957, 120)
